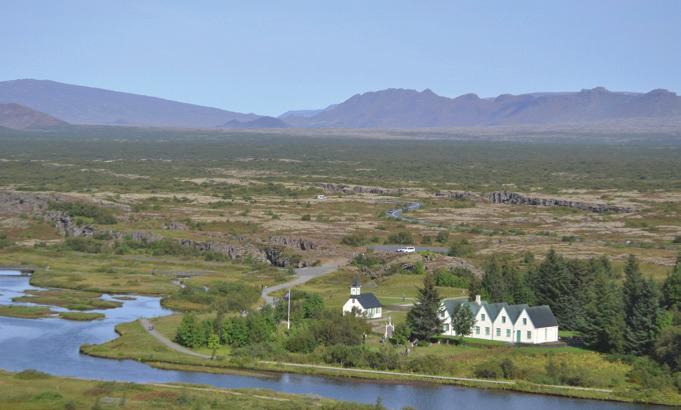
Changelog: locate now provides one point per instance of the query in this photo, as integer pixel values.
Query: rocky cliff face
(514, 198)
(457, 195)
(296, 243)
(357, 189)
(67, 226)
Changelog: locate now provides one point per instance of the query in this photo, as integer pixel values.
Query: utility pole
(288, 320)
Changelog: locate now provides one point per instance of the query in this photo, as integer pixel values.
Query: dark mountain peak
(19, 117)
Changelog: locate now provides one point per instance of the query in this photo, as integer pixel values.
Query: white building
(503, 322)
(362, 304)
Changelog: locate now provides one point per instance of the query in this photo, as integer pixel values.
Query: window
(477, 330)
(529, 334)
(503, 319)
(498, 332)
(486, 331)
(482, 316)
(445, 328)
(524, 320)
(508, 332)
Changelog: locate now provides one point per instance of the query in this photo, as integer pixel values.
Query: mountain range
(391, 108)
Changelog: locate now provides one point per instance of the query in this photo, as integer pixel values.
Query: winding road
(302, 275)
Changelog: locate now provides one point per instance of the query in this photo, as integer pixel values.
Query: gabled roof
(541, 316)
(515, 310)
(368, 301)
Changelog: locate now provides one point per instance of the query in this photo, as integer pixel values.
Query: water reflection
(52, 345)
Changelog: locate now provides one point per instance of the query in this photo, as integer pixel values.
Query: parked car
(406, 249)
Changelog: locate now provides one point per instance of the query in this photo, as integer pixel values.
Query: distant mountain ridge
(401, 108)
(18, 117)
(390, 108)
(87, 105)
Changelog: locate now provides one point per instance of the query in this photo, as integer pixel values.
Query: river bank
(29, 390)
(135, 343)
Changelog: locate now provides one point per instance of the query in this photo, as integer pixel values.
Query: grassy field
(252, 190)
(31, 390)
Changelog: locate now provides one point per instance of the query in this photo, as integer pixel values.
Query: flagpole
(288, 320)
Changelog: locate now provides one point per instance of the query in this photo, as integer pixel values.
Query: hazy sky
(271, 56)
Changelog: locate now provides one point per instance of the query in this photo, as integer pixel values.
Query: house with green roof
(503, 322)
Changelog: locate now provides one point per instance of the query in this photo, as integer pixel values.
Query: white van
(406, 249)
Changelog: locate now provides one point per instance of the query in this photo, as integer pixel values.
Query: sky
(270, 56)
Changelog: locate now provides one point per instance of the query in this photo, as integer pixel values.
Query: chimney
(478, 300)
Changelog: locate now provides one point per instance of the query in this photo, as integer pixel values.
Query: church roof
(368, 300)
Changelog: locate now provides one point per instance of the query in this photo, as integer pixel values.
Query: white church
(362, 304)
(503, 322)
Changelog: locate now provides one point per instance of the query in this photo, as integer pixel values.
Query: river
(52, 345)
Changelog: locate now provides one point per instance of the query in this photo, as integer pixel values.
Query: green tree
(671, 290)
(463, 321)
(213, 344)
(424, 317)
(401, 334)
(474, 288)
(668, 348)
(551, 285)
(187, 332)
(603, 326)
(313, 305)
(442, 236)
(640, 310)
(494, 286)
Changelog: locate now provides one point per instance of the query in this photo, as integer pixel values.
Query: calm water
(51, 345)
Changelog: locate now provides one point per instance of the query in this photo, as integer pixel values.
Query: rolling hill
(18, 117)
(86, 105)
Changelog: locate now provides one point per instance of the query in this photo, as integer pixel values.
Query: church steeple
(355, 288)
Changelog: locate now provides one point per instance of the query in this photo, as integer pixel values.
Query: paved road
(394, 248)
(168, 343)
(302, 275)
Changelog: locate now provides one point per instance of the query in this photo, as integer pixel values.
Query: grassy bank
(25, 312)
(135, 343)
(31, 390)
(81, 316)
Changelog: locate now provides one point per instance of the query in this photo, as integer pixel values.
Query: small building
(503, 322)
(362, 304)
(321, 197)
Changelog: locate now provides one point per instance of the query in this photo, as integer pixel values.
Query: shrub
(428, 364)
(442, 236)
(401, 238)
(677, 239)
(460, 249)
(354, 239)
(488, 370)
(306, 217)
(84, 245)
(80, 211)
(5, 242)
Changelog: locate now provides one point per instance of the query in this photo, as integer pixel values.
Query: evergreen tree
(671, 290)
(474, 288)
(551, 284)
(213, 344)
(640, 310)
(603, 325)
(187, 331)
(424, 318)
(463, 321)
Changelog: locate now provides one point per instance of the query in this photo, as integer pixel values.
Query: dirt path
(302, 275)
(168, 343)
